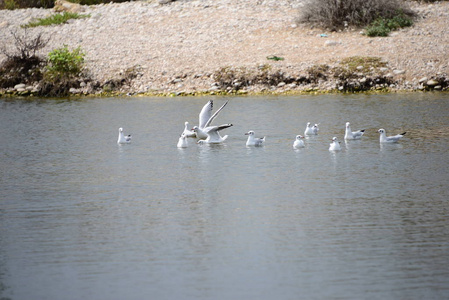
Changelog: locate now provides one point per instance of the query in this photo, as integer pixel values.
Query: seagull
(206, 117)
(353, 135)
(315, 129)
(253, 141)
(389, 139)
(122, 139)
(311, 130)
(212, 133)
(182, 142)
(298, 143)
(188, 132)
(335, 145)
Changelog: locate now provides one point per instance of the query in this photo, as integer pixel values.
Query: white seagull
(298, 143)
(311, 129)
(253, 141)
(189, 133)
(389, 139)
(206, 117)
(315, 129)
(212, 133)
(335, 145)
(182, 141)
(353, 135)
(123, 139)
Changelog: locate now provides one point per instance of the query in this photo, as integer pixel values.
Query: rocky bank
(244, 46)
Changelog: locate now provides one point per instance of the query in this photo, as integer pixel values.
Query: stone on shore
(424, 79)
(20, 87)
(65, 6)
(330, 43)
(398, 72)
(432, 82)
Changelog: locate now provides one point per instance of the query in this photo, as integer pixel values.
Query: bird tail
(404, 133)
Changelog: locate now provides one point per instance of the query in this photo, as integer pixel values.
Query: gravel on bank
(177, 47)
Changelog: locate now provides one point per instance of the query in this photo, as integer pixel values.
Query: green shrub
(377, 28)
(399, 21)
(55, 19)
(382, 26)
(11, 4)
(64, 71)
(63, 63)
(335, 14)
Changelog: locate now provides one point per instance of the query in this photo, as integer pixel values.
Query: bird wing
(214, 115)
(395, 138)
(213, 135)
(260, 141)
(205, 114)
(210, 129)
(358, 133)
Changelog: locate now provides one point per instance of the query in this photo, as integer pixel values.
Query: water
(84, 218)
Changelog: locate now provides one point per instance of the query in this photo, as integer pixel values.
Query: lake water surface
(84, 218)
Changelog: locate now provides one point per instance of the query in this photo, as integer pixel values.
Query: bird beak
(246, 133)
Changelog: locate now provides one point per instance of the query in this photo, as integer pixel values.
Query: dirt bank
(178, 47)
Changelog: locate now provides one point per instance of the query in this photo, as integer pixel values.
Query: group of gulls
(206, 133)
(349, 135)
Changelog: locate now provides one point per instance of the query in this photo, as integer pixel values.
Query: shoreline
(206, 47)
(29, 95)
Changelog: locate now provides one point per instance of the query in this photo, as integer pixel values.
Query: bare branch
(25, 46)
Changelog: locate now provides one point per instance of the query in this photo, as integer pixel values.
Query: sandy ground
(178, 46)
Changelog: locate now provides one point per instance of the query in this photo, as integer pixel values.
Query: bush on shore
(63, 63)
(53, 76)
(382, 26)
(64, 71)
(24, 65)
(337, 14)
